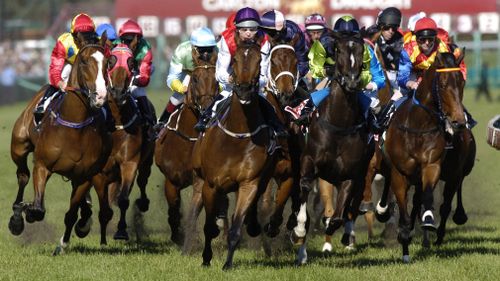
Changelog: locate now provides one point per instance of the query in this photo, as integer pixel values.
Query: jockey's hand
(230, 79)
(184, 89)
(309, 77)
(412, 85)
(396, 95)
(62, 85)
(371, 86)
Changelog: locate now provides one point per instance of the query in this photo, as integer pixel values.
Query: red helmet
(130, 26)
(426, 27)
(82, 23)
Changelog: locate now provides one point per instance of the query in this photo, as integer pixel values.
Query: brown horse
(173, 153)
(336, 149)
(71, 141)
(132, 151)
(233, 156)
(416, 141)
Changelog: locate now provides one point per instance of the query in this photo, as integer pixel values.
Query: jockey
(315, 27)
(246, 27)
(63, 56)
(320, 37)
(372, 77)
(110, 32)
(420, 52)
(203, 41)
(143, 64)
(283, 31)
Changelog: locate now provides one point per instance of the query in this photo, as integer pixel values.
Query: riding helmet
(110, 31)
(426, 27)
(130, 27)
(82, 23)
(203, 37)
(389, 16)
(247, 17)
(346, 24)
(315, 22)
(273, 20)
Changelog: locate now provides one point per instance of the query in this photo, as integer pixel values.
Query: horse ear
(104, 39)
(461, 56)
(213, 59)
(194, 55)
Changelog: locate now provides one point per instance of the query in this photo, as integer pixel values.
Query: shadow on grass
(144, 247)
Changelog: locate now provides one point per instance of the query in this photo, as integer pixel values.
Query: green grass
(470, 252)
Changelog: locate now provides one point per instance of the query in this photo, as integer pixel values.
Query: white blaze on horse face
(352, 60)
(100, 82)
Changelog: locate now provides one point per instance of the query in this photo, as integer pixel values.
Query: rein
(439, 114)
(176, 128)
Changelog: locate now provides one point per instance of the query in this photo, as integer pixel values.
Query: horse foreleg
(367, 202)
(143, 174)
(450, 188)
(82, 227)
(105, 211)
(173, 196)
(16, 223)
(382, 211)
(430, 177)
(284, 190)
(210, 229)
(128, 171)
(194, 211)
(326, 195)
(399, 186)
(41, 174)
(247, 193)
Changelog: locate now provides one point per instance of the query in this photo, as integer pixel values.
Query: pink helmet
(130, 27)
(82, 23)
(315, 22)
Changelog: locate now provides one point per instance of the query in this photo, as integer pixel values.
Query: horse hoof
(16, 224)
(121, 235)
(292, 222)
(426, 243)
(142, 204)
(460, 219)
(428, 224)
(406, 259)
(58, 251)
(34, 214)
(327, 248)
(366, 207)
(82, 228)
(227, 266)
(333, 224)
(271, 231)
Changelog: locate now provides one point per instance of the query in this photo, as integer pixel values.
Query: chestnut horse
(233, 155)
(415, 145)
(132, 151)
(336, 150)
(71, 140)
(173, 152)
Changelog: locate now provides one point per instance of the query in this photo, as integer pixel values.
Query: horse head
(348, 61)
(120, 66)
(88, 73)
(246, 69)
(283, 72)
(447, 87)
(203, 87)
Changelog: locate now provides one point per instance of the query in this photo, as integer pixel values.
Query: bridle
(272, 80)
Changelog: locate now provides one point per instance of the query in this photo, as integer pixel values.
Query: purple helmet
(247, 17)
(315, 22)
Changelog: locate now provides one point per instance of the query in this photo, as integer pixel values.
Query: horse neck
(340, 107)
(424, 93)
(121, 113)
(243, 117)
(273, 99)
(74, 107)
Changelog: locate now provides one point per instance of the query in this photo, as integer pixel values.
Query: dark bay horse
(173, 151)
(232, 156)
(132, 152)
(415, 145)
(71, 141)
(336, 150)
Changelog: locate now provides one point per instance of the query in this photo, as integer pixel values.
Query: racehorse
(233, 156)
(415, 145)
(173, 150)
(71, 140)
(132, 152)
(336, 150)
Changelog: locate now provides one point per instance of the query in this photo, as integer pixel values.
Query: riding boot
(206, 115)
(385, 115)
(305, 113)
(271, 118)
(39, 110)
(145, 110)
(169, 109)
(110, 121)
(471, 123)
